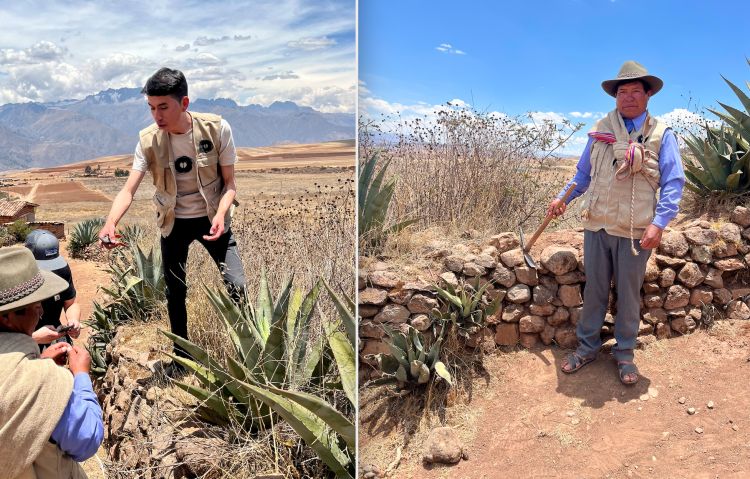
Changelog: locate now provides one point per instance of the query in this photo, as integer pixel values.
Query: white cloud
(547, 116)
(47, 53)
(448, 48)
(578, 114)
(288, 75)
(311, 43)
(205, 41)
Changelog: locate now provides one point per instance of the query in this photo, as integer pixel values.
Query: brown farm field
(65, 194)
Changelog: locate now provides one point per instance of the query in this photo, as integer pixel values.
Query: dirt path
(87, 277)
(527, 419)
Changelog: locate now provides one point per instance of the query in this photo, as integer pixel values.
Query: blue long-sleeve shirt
(80, 430)
(670, 167)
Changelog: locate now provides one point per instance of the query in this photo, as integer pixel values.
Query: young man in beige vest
(633, 177)
(50, 418)
(191, 159)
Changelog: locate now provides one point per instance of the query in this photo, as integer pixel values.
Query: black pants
(174, 253)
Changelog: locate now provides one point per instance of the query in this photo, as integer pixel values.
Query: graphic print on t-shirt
(183, 164)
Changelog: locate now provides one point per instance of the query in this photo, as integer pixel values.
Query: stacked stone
(701, 264)
(140, 422)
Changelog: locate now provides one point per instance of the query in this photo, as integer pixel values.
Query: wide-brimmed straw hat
(632, 70)
(22, 282)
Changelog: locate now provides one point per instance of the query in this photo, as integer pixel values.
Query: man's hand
(651, 237)
(79, 360)
(46, 334)
(556, 208)
(58, 352)
(217, 228)
(108, 237)
(76, 331)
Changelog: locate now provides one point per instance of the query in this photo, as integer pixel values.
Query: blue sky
(548, 57)
(252, 51)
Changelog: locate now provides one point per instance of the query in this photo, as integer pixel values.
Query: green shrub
(119, 172)
(83, 235)
(19, 230)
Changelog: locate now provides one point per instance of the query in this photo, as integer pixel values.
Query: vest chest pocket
(208, 167)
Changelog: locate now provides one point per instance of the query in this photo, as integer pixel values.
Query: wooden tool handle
(547, 219)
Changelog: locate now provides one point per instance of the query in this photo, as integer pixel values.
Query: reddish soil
(87, 277)
(67, 192)
(522, 417)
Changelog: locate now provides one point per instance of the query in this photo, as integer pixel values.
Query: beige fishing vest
(158, 153)
(623, 206)
(52, 463)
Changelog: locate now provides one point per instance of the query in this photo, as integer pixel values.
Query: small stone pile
(700, 266)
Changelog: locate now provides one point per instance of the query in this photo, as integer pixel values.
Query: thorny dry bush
(468, 169)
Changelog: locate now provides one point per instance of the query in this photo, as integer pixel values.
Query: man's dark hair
(166, 82)
(644, 84)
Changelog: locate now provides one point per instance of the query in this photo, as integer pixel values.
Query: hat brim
(52, 285)
(52, 264)
(655, 84)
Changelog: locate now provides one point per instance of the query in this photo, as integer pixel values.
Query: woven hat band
(21, 290)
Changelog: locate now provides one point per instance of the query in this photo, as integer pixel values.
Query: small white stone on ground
(645, 397)
(699, 430)
(710, 405)
(691, 410)
(682, 400)
(653, 392)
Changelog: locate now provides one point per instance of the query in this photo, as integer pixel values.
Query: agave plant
(275, 361)
(410, 363)
(84, 234)
(138, 283)
(720, 163)
(467, 308)
(136, 289)
(374, 200)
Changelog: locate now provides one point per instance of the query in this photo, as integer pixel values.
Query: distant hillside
(56, 133)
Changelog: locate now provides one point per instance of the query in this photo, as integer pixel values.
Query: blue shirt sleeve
(671, 182)
(80, 430)
(582, 178)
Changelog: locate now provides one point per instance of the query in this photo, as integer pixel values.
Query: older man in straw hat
(49, 418)
(633, 176)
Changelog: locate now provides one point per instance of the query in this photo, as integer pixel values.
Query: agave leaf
(295, 302)
(401, 374)
(424, 374)
(333, 418)
(311, 429)
(214, 408)
(247, 340)
(264, 309)
(455, 300)
(442, 371)
(345, 313)
(303, 325)
(272, 356)
(343, 353)
(388, 364)
(739, 93)
(733, 181)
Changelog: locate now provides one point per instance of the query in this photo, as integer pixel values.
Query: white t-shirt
(190, 203)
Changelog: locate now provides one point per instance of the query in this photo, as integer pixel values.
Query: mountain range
(107, 123)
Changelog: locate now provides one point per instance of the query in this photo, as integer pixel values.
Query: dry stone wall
(699, 269)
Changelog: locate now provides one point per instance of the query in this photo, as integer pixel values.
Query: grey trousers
(607, 257)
